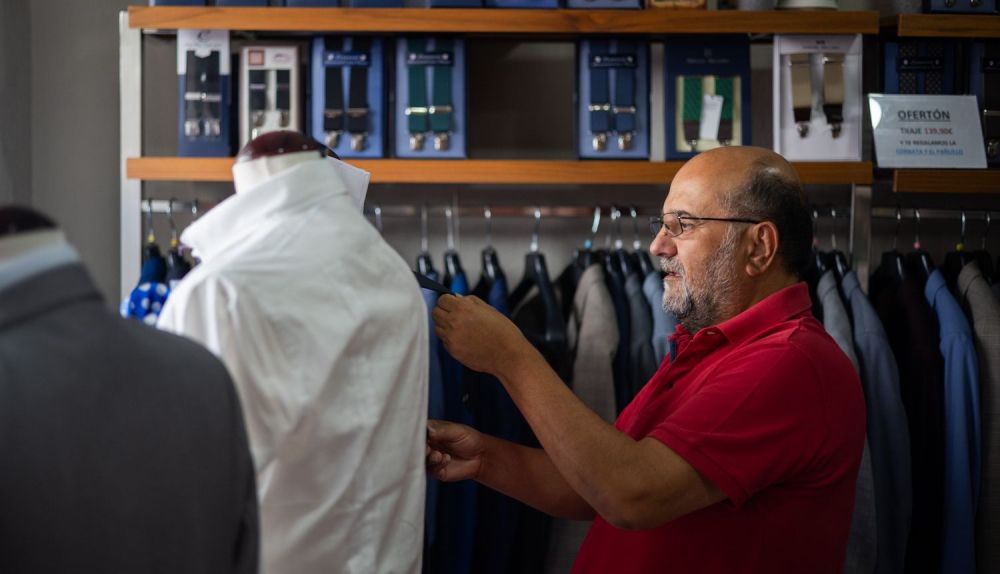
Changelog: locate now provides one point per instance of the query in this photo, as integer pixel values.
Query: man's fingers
(447, 302)
(443, 431)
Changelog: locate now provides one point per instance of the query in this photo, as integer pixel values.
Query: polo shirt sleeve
(755, 421)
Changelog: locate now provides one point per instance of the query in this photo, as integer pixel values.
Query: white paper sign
(711, 116)
(927, 131)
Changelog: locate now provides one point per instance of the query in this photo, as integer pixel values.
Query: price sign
(927, 131)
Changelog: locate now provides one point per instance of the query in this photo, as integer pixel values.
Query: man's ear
(763, 248)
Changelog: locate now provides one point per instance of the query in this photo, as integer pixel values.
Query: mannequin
(320, 323)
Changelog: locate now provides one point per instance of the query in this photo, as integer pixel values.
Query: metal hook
(961, 238)
(916, 231)
(833, 229)
(449, 215)
(899, 223)
(150, 235)
(595, 224)
(616, 217)
(194, 209)
(815, 225)
(537, 230)
(423, 229)
(636, 242)
(378, 218)
(174, 242)
(989, 220)
(488, 214)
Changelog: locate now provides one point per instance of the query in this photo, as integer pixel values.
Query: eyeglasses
(677, 224)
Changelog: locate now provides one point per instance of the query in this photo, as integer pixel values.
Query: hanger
(838, 261)
(641, 255)
(621, 255)
(425, 263)
(491, 262)
(818, 259)
(586, 257)
(981, 255)
(378, 217)
(452, 262)
(536, 274)
(922, 263)
(177, 265)
(958, 258)
(892, 261)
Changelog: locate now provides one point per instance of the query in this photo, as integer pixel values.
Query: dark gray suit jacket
(122, 449)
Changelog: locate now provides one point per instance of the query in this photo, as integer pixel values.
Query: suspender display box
(920, 67)
(984, 82)
(203, 111)
(707, 95)
(430, 110)
(613, 98)
(348, 95)
(961, 6)
(269, 91)
(817, 97)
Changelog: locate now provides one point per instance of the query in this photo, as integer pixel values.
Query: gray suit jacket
(593, 339)
(643, 358)
(983, 310)
(862, 543)
(123, 447)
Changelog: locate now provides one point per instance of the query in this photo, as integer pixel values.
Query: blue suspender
(600, 97)
(624, 108)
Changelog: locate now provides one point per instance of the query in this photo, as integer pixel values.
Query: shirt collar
(291, 191)
(773, 309)
(935, 282)
(33, 253)
(970, 274)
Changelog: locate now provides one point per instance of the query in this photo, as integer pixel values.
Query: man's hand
(477, 335)
(454, 451)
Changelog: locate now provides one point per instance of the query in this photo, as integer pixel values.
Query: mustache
(671, 265)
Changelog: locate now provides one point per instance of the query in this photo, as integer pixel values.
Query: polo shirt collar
(775, 308)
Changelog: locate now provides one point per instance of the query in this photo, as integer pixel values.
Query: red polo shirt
(768, 408)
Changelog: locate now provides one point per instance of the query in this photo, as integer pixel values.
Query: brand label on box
(430, 59)
(918, 64)
(927, 131)
(613, 61)
(347, 59)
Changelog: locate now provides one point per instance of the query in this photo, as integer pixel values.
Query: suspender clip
(415, 110)
(358, 142)
(333, 139)
(599, 141)
(991, 127)
(191, 128)
(441, 141)
(416, 142)
(599, 108)
(625, 141)
(439, 110)
(213, 129)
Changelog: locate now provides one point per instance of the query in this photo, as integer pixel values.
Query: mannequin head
(15, 219)
(267, 155)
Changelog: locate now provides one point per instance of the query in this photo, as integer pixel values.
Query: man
(325, 331)
(741, 454)
(123, 448)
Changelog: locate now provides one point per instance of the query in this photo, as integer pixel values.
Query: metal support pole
(130, 122)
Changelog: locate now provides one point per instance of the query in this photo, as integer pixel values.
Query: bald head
(756, 183)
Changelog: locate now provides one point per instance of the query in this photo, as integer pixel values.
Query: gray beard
(698, 307)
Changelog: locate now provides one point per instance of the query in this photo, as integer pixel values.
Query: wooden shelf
(518, 172)
(499, 21)
(946, 181)
(948, 26)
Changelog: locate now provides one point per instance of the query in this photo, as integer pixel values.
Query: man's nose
(663, 245)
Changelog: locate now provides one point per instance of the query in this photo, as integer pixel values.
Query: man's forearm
(612, 472)
(527, 474)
